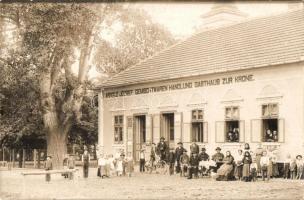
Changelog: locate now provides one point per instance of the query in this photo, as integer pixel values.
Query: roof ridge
(195, 36)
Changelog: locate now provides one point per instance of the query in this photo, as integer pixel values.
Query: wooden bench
(62, 171)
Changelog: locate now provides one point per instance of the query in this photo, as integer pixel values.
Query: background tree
(50, 40)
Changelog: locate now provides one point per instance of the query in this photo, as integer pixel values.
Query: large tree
(50, 41)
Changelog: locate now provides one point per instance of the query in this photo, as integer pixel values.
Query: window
(270, 114)
(197, 126)
(118, 129)
(232, 127)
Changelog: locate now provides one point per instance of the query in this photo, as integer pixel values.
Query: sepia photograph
(151, 99)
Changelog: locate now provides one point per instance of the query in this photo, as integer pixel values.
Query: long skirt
(270, 169)
(246, 170)
(85, 170)
(238, 171)
(225, 170)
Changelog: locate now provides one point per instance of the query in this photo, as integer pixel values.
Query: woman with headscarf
(224, 172)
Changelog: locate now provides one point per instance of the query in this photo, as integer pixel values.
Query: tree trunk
(57, 148)
(13, 158)
(20, 158)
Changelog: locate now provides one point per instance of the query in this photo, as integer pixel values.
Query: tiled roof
(256, 43)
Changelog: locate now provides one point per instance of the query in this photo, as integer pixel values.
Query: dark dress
(218, 158)
(193, 169)
(246, 167)
(171, 160)
(162, 149)
(86, 165)
(224, 172)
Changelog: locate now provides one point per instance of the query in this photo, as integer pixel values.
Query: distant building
(221, 87)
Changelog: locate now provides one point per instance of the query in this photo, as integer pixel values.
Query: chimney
(222, 13)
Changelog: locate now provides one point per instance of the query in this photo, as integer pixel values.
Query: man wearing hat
(218, 157)
(86, 162)
(178, 153)
(162, 148)
(300, 166)
(193, 168)
(194, 148)
(142, 160)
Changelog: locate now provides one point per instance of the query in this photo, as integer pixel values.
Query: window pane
(194, 114)
(120, 119)
(120, 134)
(116, 120)
(228, 113)
(274, 109)
(200, 114)
(235, 114)
(265, 110)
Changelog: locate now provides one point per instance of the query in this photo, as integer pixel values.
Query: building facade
(224, 87)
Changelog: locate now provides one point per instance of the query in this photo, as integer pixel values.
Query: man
(194, 148)
(85, 161)
(162, 148)
(218, 157)
(178, 153)
(71, 165)
(193, 169)
(203, 156)
(48, 166)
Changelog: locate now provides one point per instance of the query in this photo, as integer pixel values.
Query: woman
(224, 172)
(247, 160)
(239, 164)
(246, 147)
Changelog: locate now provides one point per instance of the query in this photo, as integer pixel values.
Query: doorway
(139, 135)
(167, 130)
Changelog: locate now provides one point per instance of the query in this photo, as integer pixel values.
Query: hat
(203, 149)
(185, 151)
(179, 143)
(298, 156)
(162, 138)
(122, 154)
(218, 148)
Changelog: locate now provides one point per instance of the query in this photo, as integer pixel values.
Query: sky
(182, 19)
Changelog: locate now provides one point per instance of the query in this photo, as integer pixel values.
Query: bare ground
(143, 186)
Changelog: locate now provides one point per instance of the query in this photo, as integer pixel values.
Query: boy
(184, 162)
(142, 160)
(265, 162)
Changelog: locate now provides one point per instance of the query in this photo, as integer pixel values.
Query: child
(287, 166)
(265, 162)
(142, 160)
(120, 165)
(293, 166)
(184, 162)
(253, 170)
(246, 167)
(300, 166)
(129, 164)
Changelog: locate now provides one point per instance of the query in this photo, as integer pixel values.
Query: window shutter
(129, 136)
(113, 128)
(219, 132)
(256, 130)
(281, 131)
(149, 126)
(156, 128)
(205, 132)
(242, 130)
(178, 127)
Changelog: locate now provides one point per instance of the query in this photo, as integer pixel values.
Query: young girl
(120, 165)
(253, 170)
(246, 167)
(300, 166)
(265, 166)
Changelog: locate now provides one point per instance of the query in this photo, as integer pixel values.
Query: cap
(218, 148)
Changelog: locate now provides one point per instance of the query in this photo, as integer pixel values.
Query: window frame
(119, 128)
(232, 118)
(200, 121)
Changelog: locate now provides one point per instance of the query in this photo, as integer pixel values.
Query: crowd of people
(246, 165)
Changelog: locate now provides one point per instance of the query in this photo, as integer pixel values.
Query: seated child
(184, 163)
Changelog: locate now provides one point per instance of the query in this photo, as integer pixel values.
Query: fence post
(23, 158)
(35, 154)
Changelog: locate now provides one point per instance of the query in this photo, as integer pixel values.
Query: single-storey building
(226, 86)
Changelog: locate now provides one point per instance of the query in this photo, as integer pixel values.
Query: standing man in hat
(218, 157)
(178, 153)
(162, 148)
(48, 166)
(194, 148)
(142, 160)
(85, 161)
